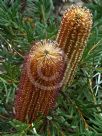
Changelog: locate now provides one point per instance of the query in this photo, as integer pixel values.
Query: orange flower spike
(72, 36)
(40, 82)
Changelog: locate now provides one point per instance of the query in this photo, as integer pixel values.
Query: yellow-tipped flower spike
(72, 36)
(41, 80)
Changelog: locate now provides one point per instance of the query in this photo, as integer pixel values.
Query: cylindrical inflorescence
(40, 82)
(72, 36)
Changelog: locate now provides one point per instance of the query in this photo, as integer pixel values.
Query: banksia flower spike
(40, 82)
(72, 36)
